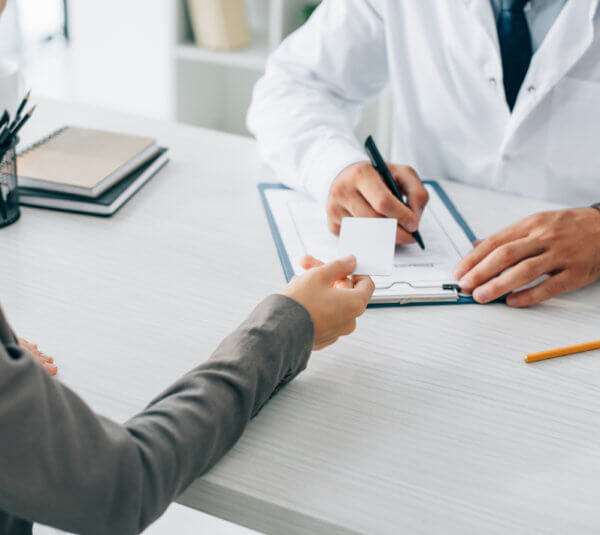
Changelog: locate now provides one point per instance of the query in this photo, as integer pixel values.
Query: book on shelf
(219, 24)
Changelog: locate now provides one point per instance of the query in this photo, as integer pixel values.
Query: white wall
(118, 58)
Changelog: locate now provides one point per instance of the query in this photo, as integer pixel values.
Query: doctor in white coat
(503, 94)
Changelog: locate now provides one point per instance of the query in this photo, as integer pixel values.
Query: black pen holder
(9, 194)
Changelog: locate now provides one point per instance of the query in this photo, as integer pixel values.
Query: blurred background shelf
(155, 68)
(253, 56)
(226, 78)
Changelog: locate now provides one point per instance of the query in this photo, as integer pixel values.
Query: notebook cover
(106, 199)
(288, 271)
(78, 160)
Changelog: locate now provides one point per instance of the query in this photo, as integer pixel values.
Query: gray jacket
(65, 466)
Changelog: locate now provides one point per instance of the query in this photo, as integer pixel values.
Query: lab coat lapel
(566, 42)
(483, 13)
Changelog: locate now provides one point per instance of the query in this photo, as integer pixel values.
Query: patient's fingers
(27, 345)
(42, 359)
(50, 368)
(309, 262)
(364, 284)
(363, 288)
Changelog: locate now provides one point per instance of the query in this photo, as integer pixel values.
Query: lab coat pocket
(573, 148)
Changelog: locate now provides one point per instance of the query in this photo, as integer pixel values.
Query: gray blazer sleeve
(63, 465)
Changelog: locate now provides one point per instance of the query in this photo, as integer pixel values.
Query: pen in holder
(9, 195)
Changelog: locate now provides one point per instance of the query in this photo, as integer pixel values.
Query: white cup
(12, 87)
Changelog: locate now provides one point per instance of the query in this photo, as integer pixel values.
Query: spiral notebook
(81, 161)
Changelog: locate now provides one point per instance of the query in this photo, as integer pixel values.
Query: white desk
(426, 420)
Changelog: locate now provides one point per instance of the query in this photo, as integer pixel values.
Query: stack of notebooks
(87, 171)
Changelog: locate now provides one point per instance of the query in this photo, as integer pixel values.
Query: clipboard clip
(451, 286)
(444, 286)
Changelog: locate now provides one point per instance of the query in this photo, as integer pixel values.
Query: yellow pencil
(560, 352)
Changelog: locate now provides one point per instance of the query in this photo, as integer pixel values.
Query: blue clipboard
(288, 270)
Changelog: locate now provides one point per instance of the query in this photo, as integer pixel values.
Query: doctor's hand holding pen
(359, 191)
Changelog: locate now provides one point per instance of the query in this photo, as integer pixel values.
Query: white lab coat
(442, 61)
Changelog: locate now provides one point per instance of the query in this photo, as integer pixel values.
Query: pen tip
(27, 94)
(32, 110)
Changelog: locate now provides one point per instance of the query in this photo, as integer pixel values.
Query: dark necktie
(515, 46)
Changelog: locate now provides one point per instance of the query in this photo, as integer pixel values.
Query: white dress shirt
(450, 117)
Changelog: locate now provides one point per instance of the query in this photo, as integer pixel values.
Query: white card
(372, 241)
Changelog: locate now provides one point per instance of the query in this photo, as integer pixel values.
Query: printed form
(417, 275)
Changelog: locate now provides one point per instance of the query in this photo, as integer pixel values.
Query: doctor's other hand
(564, 244)
(359, 191)
(332, 297)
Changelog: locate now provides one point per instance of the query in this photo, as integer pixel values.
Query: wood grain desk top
(426, 420)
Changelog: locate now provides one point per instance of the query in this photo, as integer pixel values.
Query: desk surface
(426, 420)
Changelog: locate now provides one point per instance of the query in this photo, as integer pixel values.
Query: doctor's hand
(564, 245)
(359, 191)
(333, 299)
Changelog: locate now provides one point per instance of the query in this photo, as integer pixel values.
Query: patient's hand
(44, 360)
(333, 298)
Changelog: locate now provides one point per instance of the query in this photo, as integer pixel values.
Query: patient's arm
(63, 465)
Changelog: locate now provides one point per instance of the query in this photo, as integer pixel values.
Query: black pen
(22, 122)
(4, 135)
(383, 170)
(7, 133)
(20, 109)
(5, 118)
